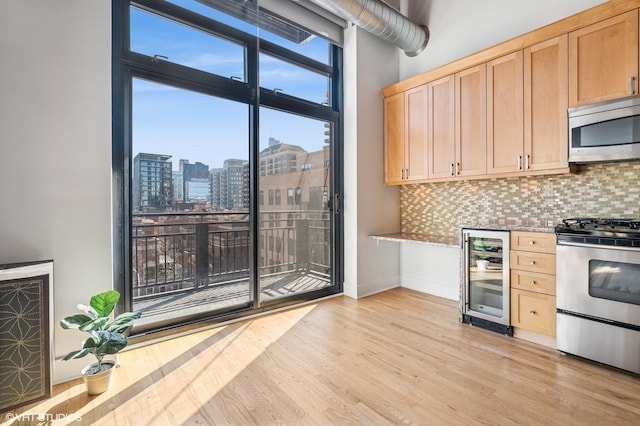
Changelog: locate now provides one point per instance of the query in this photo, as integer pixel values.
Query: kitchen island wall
(595, 190)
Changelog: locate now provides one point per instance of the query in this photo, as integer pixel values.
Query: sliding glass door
(295, 238)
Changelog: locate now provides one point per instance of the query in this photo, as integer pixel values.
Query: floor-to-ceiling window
(226, 160)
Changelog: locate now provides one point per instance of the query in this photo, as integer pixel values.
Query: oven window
(614, 281)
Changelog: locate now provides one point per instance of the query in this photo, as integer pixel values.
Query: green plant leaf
(96, 324)
(111, 343)
(88, 310)
(123, 321)
(74, 322)
(91, 342)
(104, 303)
(76, 354)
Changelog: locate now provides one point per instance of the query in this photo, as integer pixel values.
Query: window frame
(127, 65)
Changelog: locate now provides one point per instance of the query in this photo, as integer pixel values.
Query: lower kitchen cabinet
(533, 311)
(533, 285)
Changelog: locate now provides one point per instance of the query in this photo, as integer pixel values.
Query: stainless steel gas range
(598, 290)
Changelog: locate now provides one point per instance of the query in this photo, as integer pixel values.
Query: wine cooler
(485, 294)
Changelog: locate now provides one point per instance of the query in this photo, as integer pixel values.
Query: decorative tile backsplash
(595, 190)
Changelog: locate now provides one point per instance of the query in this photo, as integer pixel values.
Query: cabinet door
(416, 154)
(546, 140)
(603, 60)
(471, 121)
(504, 114)
(441, 127)
(394, 139)
(533, 311)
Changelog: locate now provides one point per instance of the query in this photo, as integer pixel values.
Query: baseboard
(530, 336)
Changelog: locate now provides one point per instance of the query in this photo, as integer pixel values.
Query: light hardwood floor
(399, 357)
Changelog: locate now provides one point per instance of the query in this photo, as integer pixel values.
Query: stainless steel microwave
(606, 131)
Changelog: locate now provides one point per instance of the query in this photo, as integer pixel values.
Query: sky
(197, 127)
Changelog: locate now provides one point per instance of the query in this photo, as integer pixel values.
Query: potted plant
(106, 337)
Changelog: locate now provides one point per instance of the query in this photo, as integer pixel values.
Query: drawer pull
(533, 262)
(531, 243)
(532, 312)
(532, 282)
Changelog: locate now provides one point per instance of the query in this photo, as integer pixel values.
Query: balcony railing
(176, 252)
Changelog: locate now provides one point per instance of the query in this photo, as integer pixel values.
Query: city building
(152, 182)
(229, 186)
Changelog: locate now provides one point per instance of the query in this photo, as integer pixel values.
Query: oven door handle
(598, 246)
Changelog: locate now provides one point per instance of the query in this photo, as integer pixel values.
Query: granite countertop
(454, 242)
(433, 240)
(522, 228)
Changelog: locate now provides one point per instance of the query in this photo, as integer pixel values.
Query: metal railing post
(202, 254)
(302, 244)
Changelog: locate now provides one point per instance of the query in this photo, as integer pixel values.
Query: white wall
(370, 207)
(431, 269)
(55, 148)
(461, 27)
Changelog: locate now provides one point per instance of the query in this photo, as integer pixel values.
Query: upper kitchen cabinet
(603, 60)
(471, 121)
(545, 105)
(405, 136)
(505, 149)
(441, 127)
(394, 139)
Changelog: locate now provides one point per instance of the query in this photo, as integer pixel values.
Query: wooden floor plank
(399, 357)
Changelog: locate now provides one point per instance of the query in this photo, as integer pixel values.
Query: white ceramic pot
(98, 383)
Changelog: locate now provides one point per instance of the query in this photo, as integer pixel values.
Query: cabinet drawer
(533, 281)
(533, 262)
(539, 242)
(533, 311)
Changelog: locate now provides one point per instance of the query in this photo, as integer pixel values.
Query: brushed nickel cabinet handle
(532, 282)
(519, 162)
(526, 162)
(533, 262)
(451, 169)
(457, 168)
(631, 86)
(531, 242)
(532, 312)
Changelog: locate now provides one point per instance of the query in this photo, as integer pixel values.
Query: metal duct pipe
(382, 21)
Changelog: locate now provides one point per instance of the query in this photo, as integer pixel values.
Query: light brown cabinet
(441, 127)
(405, 137)
(603, 60)
(533, 284)
(545, 105)
(505, 149)
(471, 121)
(394, 139)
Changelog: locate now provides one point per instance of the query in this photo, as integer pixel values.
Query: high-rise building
(228, 185)
(152, 182)
(191, 172)
(178, 186)
(197, 189)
